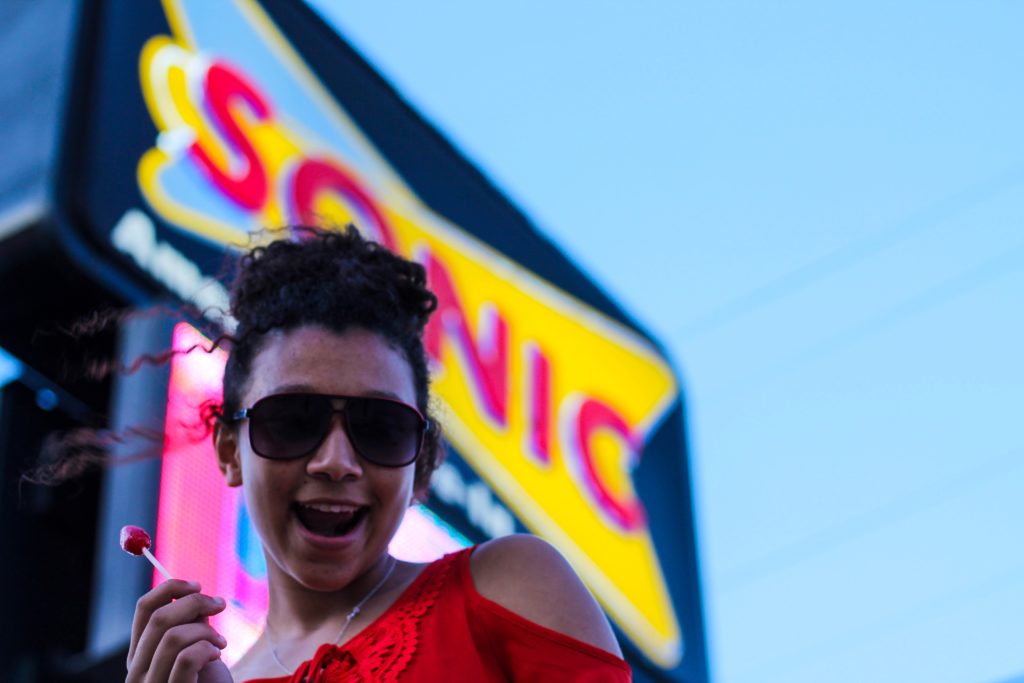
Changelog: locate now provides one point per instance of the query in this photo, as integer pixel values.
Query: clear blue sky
(817, 207)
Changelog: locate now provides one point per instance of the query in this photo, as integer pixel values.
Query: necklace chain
(348, 619)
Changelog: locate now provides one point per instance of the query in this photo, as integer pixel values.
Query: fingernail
(194, 584)
(222, 642)
(219, 602)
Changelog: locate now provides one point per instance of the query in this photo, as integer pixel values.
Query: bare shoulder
(528, 576)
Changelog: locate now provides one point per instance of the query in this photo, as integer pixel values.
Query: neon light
(581, 498)
(424, 537)
(225, 89)
(10, 368)
(486, 358)
(588, 417)
(538, 404)
(315, 178)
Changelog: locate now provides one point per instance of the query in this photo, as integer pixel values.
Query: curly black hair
(337, 280)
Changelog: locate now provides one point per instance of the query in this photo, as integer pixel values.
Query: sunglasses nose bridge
(336, 456)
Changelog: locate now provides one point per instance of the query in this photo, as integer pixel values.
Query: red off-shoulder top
(442, 629)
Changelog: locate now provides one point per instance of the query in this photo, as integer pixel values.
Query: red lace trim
(384, 649)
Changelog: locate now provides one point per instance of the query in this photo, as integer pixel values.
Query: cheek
(264, 489)
(404, 488)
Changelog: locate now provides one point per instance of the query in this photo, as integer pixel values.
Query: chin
(325, 582)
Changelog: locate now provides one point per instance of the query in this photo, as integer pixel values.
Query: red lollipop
(136, 541)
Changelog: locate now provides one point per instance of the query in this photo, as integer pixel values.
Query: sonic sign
(549, 400)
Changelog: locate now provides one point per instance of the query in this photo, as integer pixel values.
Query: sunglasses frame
(425, 424)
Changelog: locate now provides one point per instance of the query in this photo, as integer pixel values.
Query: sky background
(817, 208)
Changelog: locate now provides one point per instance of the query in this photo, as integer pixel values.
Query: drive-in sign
(553, 401)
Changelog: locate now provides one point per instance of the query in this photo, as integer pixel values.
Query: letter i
(538, 404)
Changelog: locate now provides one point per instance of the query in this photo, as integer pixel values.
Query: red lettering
(485, 358)
(224, 87)
(314, 177)
(538, 404)
(594, 415)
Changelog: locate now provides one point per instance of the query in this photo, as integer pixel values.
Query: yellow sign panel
(550, 401)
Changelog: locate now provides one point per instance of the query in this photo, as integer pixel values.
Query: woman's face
(327, 517)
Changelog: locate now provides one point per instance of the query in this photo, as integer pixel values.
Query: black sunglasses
(385, 432)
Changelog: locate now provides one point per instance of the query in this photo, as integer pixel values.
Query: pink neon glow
(202, 534)
(197, 512)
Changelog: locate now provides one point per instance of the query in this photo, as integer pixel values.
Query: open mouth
(327, 520)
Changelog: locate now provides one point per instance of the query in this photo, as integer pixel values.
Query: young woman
(326, 426)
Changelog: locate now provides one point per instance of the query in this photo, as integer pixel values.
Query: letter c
(592, 415)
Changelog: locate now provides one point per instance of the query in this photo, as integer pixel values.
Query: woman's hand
(172, 640)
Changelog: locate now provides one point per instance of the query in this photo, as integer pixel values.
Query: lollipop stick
(156, 563)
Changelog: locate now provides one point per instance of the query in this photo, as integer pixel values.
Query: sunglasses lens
(384, 432)
(289, 425)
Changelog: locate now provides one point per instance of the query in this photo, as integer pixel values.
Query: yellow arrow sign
(549, 400)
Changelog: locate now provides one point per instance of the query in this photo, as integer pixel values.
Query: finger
(191, 660)
(188, 609)
(163, 594)
(177, 641)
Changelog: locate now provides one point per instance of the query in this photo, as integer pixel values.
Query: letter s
(246, 184)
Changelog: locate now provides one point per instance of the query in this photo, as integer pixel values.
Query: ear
(225, 441)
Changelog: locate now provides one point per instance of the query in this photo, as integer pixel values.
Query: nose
(336, 459)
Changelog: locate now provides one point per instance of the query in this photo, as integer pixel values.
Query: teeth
(328, 508)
